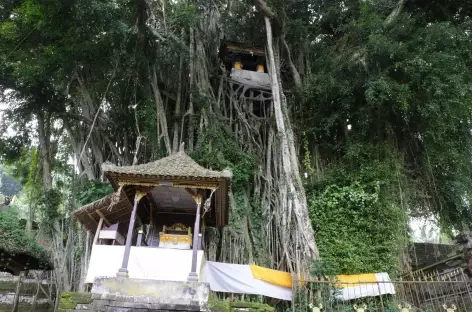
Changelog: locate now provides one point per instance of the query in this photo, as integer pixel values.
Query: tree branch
(98, 110)
(293, 69)
(264, 8)
(394, 14)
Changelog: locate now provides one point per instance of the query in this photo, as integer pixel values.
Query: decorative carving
(197, 198)
(169, 235)
(404, 309)
(207, 204)
(316, 309)
(451, 309)
(363, 309)
(200, 185)
(177, 227)
(175, 239)
(139, 195)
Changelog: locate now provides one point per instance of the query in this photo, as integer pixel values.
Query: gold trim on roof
(208, 186)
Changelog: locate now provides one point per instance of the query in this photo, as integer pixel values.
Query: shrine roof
(178, 165)
(243, 48)
(114, 207)
(178, 170)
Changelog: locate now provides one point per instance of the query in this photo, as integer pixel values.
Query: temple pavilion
(153, 225)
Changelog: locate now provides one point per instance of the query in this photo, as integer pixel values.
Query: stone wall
(238, 306)
(34, 295)
(88, 302)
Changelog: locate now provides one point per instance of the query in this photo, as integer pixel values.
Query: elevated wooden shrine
(247, 70)
(153, 225)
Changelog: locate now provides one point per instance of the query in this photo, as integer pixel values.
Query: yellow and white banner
(363, 285)
(239, 279)
(256, 280)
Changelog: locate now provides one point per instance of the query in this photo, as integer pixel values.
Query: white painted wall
(144, 263)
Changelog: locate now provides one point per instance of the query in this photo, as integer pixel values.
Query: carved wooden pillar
(193, 275)
(123, 271)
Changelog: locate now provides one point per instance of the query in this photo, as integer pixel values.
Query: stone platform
(139, 295)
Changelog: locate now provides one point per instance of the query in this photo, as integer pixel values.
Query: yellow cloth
(344, 281)
(284, 279)
(275, 277)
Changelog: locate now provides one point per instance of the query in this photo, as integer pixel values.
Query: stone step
(86, 307)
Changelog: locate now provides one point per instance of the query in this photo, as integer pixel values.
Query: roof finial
(181, 149)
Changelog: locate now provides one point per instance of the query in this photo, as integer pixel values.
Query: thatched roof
(241, 48)
(178, 170)
(114, 207)
(178, 165)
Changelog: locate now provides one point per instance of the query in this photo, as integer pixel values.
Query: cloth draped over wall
(238, 279)
(252, 279)
(174, 265)
(363, 285)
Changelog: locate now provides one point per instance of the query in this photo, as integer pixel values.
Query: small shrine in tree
(247, 70)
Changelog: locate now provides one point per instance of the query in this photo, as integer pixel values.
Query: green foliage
(70, 300)
(92, 190)
(52, 200)
(184, 15)
(346, 207)
(14, 238)
(406, 86)
(349, 232)
(217, 305)
(218, 150)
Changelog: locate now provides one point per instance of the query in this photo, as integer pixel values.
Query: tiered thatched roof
(178, 166)
(178, 170)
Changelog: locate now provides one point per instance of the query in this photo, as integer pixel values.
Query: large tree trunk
(44, 152)
(296, 199)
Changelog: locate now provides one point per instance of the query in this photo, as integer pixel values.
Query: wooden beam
(94, 222)
(191, 192)
(103, 217)
(97, 233)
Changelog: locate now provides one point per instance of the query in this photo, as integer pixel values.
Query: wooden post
(139, 242)
(16, 301)
(97, 233)
(123, 271)
(193, 275)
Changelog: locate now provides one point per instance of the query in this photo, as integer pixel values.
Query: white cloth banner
(238, 279)
(144, 263)
(383, 287)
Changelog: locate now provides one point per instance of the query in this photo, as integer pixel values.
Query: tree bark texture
(295, 198)
(44, 152)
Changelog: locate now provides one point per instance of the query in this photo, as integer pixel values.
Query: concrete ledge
(128, 293)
